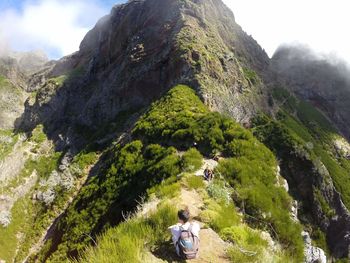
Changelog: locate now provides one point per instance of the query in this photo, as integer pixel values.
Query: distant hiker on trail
(185, 236)
(208, 174)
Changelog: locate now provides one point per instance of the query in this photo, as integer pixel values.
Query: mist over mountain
(99, 149)
(322, 80)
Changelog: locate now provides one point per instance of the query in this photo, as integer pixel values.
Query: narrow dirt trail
(207, 163)
(212, 247)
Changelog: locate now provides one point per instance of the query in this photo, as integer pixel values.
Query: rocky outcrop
(306, 176)
(342, 147)
(313, 254)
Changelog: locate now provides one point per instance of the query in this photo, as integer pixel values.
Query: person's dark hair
(184, 215)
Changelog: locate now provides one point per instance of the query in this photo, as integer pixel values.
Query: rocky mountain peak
(143, 48)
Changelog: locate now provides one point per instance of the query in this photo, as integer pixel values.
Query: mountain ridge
(106, 125)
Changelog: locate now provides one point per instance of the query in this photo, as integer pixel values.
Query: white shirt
(176, 231)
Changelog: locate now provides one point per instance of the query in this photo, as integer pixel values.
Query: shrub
(191, 160)
(85, 159)
(208, 216)
(38, 135)
(219, 192)
(168, 188)
(243, 235)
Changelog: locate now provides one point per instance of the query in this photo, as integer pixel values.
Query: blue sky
(54, 26)
(18, 4)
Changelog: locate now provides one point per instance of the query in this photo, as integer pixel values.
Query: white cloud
(56, 26)
(321, 24)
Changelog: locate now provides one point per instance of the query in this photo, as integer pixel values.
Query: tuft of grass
(324, 205)
(38, 135)
(248, 246)
(227, 216)
(251, 75)
(219, 215)
(168, 188)
(127, 241)
(194, 182)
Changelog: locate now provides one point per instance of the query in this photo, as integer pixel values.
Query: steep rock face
(141, 49)
(325, 83)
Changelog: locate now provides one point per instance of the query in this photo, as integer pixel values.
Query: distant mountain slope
(325, 82)
(15, 69)
(12, 101)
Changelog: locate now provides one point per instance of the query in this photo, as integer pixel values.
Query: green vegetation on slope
(8, 240)
(133, 169)
(31, 215)
(27, 218)
(140, 234)
(178, 121)
(7, 141)
(128, 241)
(312, 134)
(254, 181)
(304, 140)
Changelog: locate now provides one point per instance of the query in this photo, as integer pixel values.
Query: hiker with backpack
(208, 174)
(185, 236)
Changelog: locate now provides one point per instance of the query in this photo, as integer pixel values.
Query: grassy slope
(177, 122)
(7, 141)
(131, 240)
(311, 128)
(301, 131)
(30, 219)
